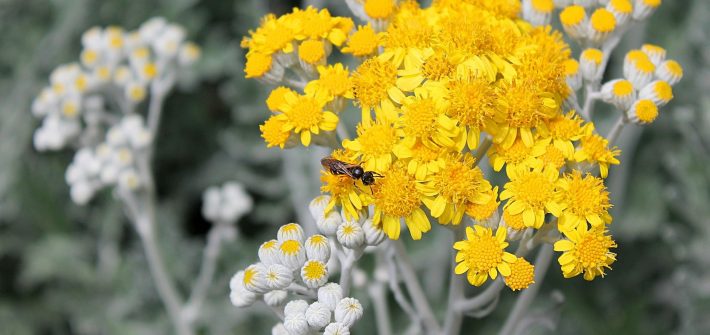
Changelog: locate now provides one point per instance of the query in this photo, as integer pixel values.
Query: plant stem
(379, 301)
(616, 130)
(454, 316)
(415, 289)
(542, 263)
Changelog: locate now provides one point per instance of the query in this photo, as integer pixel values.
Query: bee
(354, 171)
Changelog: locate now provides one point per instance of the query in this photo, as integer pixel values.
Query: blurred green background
(66, 269)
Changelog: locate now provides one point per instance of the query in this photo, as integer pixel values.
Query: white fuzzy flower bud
(278, 277)
(269, 252)
(336, 328)
(329, 224)
(129, 179)
(291, 231)
(279, 329)
(296, 307)
(239, 295)
(373, 235)
(590, 63)
(82, 192)
(255, 278)
(292, 254)
(317, 248)
(314, 273)
(296, 324)
(275, 298)
(330, 294)
(318, 315)
(350, 234)
(235, 202)
(348, 311)
(619, 92)
(317, 206)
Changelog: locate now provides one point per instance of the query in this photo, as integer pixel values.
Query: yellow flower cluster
(438, 88)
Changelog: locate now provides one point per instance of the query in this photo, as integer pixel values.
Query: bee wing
(336, 167)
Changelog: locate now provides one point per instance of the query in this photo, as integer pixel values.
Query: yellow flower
(522, 108)
(273, 133)
(513, 221)
(304, 115)
(456, 184)
(312, 52)
(421, 159)
(334, 80)
(409, 33)
(531, 191)
(379, 9)
(374, 144)
(516, 155)
(258, 64)
(420, 65)
(595, 149)
(345, 192)
(585, 199)
(481, 212)
(396, 197)
(317, 25)
(565, 129)
(471, 101)
(522, 275)
(374, 83)
(363, 42)
(585, 250)
(274, 35)
(483, 255)
(553, 156)
(423, 120)
(276, 98)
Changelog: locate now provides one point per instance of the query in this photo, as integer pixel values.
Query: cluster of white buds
(111, 162)
(226, 203)
(114, 64)
(296, 265)
(117, 71)
(646, 86)
(349, 232)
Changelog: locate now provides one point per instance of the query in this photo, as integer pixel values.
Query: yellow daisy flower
(456, 184)
(374, 82)
(565, 129)
(585, 251)
(276, 97)
(396, 197)
(595, 149)
(472, 102)
(272, 132)
(304, 115)
(421, 159)
(531, 191)
(333, 80)
(345, 192)
(585, 199)
(420, 65)
(483, 255)
(522, 108)
(374, 144)
(423, 120)
(482, 212)
(363, 42)
(553, 155)
(516, 155)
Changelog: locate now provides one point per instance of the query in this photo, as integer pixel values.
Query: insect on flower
(354, 171)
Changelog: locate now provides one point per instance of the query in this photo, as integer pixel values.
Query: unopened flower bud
(330, 294)
(318, 315)
(317, 248)
(275, 298)
(348, 311)
(291, 231)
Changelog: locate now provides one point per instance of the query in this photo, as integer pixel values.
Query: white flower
(226, 204)
(296, 307)
(275, 298)
(638, 68)
(82, 192)
(330, 294)
(189, 53)
(659, 91)
(336, 328)
(317, 248)
(374, 235)
(278, 277)
(292, 254)
(348, 311)
(318, 315)
(291, 231)
(296, 324)
(314, 273)
(350, 234)
(239, 295)
(619, 92)
(150, 29)
(129, 179)
(255, 278)
(135, 91)
(269, 252)
(329, 224)
(670, 71)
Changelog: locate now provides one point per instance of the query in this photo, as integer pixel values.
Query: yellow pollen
(378, 139)
(290, 247)
(622, 6)
(484, 253)
(592, 250)
(249, 276)
(674, 68)
(314, 270)
(646, 111)
(553, 156)
(594, 55)
(585, 195)
(623, 88)
(257, 65)
(565, 128)
(663, 91)
(379, 9)
(571, 67)
(419, 118)
(372, 80)
(572, 15)
(396, 193)
(471, 102)
(535, 189)
(522, 274)
(458, 181)
(437, 67)
(603, 20)
(544, 6)
(311, 51)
